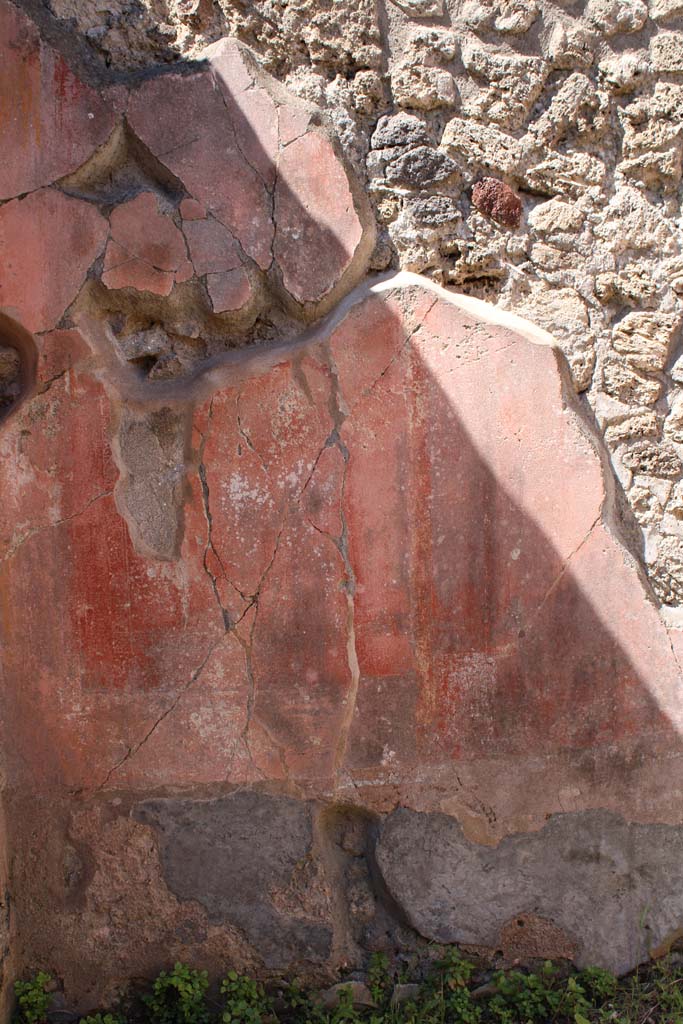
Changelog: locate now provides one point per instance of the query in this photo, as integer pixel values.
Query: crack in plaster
(132, 751)
(270, 192)
(340, 413)
(227, 623)
(565, 565)
(50, 526)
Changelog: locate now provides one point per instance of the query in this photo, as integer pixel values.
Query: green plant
(345, 1012)
(102, 1018)
(245, 1001)
(300, 1007)
(455, 991)
(379, 980)
(33, 999)
(178, 997)
(524, 998)
(598, 983)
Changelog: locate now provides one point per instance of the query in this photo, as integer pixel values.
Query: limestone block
(556, 217)
(423, 88)
(645, 339)
(628, 385)
(421, 167)
(483, 145)
(658, 460)
(662, 10)
(666, 50)
(612, 16)
(421, 8)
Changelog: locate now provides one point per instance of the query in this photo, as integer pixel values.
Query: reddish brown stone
(495, 199)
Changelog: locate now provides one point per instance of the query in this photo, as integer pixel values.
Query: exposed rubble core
(10, 378)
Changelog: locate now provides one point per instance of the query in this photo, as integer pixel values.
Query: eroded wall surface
(324, 628)
(575, 106)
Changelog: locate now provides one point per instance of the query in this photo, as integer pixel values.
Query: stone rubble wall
(578, 107)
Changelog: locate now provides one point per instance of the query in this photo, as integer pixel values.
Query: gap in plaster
(18, 361)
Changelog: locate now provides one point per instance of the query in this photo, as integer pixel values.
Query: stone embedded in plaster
(229, 290)
(421, 8)
(50, 122)
(212, 248)
(317, 227)
(495, 199)
(145, 249)
(49, 241)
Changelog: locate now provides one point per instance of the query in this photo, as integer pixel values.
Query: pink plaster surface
(50, 121)
(411, 577)
(39, 233)
(398, 578)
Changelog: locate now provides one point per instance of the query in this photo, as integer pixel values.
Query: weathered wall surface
(576, 105)
(324, 627)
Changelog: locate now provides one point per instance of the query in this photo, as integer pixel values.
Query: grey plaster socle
(235, 855)
(613, 887)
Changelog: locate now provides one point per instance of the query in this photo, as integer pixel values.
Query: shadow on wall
(436, 595)
(480, 651)
(492, 615)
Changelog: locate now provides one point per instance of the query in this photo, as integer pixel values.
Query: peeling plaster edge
(231, 367)
(468, 304)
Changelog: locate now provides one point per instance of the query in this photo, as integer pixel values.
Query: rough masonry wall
(321, 628)
(577, 106)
